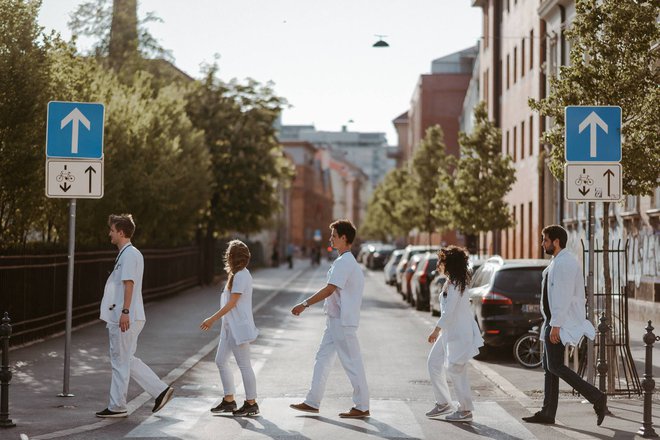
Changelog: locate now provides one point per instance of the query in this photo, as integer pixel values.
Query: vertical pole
(648, 384)
(590, 294)
(69, 298)
(5, 373)
(602, 360)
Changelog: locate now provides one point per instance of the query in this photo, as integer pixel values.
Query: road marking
(493, 421)
(177, 419)
(171, 377)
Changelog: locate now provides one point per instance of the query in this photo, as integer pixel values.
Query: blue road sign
(593, 134)
(75, 130)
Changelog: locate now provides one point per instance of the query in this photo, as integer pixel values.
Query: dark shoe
(225, 407)
(539, 418)
(601, 409)
(354, 413)
(304, 407)
(162, 399)
(247, 410)
(107, 414)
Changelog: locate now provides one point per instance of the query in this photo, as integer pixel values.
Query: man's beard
(550, 250)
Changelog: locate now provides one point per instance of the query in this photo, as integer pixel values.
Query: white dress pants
(226, 347)
(458, 374)
(125, 365)
(342, 341)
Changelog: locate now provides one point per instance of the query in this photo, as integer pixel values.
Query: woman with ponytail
(237, 331)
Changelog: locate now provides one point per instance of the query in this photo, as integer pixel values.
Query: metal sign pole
(590, 294)
(69, 298)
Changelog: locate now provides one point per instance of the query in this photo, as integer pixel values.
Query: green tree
(24, 79)
(430, 165)
(481, 179)
(247, 162)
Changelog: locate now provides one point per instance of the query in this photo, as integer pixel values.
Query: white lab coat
(460, 335)
(240, 319)
(566, 297)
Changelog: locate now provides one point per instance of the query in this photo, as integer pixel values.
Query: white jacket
(566, 296)
(460, 335)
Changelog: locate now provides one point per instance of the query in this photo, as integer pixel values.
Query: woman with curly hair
(456, 338)
(237, 331)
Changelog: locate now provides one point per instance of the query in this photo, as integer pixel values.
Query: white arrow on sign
(76, 118)
(592, 121)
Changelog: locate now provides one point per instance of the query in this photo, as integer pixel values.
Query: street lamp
(381, 42)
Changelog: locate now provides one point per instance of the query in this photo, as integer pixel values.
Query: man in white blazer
(123, 311)
(343, 298)
(565, 322)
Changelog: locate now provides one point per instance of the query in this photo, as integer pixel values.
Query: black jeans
(553, 364)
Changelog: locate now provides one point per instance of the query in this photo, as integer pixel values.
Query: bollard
(648, 384)
(5, 373)
(601, 365)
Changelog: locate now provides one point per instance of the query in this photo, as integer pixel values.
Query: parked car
(409, 251)
(438, 282)
(376, 258)
(390, 267)
(421, 280)
(505, 296)
(406, 289)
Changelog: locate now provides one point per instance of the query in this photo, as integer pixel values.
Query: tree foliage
(481, 179)
(613, 62)
(248, 163)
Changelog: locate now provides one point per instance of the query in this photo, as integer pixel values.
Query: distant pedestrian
(456, 338)
(237, 331)
(275, 257)
(290, 249)
(563, 309)
(123, 311)
(343, 298)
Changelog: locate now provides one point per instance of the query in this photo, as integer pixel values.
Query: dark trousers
(553, 364)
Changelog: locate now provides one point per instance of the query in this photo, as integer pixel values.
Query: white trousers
(125, 365)
(226, 347)
(458, 374)
(342, 341)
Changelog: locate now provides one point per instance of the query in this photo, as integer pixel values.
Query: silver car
(390, 267)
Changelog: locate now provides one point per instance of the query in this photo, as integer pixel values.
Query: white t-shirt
(345, 302)
(239, 319)
(128, 266)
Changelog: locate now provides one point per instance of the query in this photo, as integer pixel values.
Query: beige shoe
(304, 407)
(354, 413)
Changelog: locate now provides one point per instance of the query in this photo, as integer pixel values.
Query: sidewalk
(170, 344)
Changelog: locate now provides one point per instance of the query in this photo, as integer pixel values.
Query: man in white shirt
(123, 311)
(343, 298)
(565, 322)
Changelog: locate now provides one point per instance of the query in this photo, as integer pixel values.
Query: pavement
(393, 339)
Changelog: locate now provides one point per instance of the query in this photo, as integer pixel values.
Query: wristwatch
(125, 311)
(305, 303)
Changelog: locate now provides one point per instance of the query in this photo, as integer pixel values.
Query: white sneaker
(459, 416)
(438, 410)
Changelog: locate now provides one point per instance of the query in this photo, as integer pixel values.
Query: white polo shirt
(345, 302)
(129, 265)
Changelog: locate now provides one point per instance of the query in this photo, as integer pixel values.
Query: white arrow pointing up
(76, 118)
(592, 121)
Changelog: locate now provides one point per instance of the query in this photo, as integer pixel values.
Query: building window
(522, 57)
(531, 49)
(522, 231)
(485, 88)
(515, 64)
(515, 141)
(485, 27)
(507, 143)
(530, 232)
(508, 67)
(531, 135)
(513, 235)
(655, 203)
(632, 204)
(522, 140)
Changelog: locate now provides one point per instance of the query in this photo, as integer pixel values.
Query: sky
(318, 53)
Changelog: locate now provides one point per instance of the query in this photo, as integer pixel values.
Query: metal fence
(33, 287)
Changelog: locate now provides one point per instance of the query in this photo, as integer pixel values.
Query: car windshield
(523, 280)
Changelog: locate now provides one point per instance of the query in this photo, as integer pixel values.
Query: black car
(505, 297)
(376, 260)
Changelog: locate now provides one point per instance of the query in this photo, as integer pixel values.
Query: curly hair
(237, 257)
(455, 261)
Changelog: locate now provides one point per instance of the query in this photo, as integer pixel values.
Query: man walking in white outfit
(123, 311)
(343, 298)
